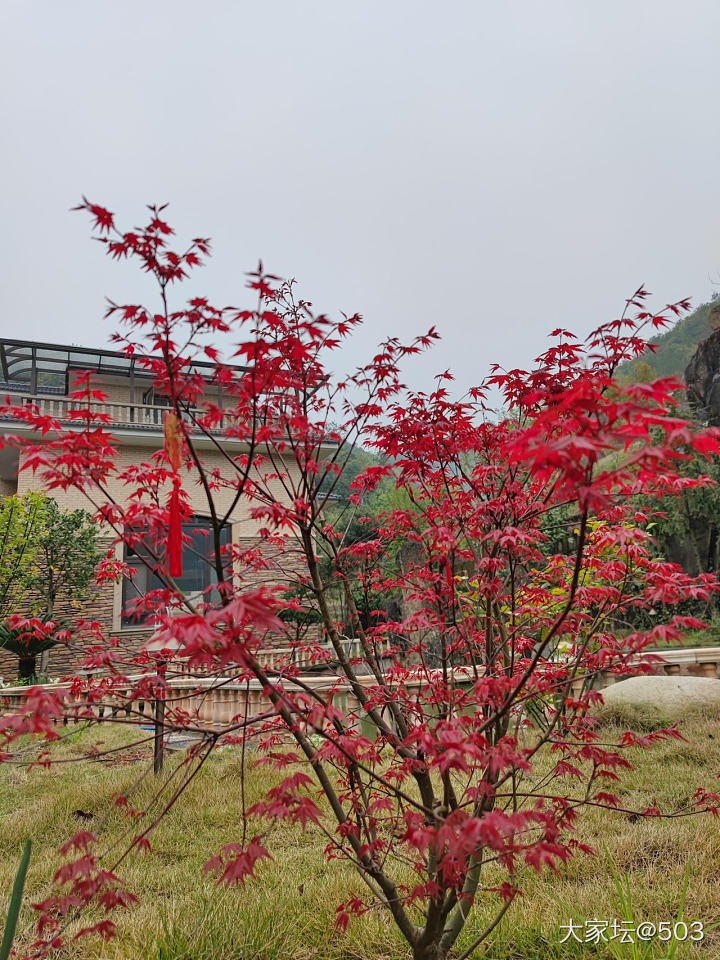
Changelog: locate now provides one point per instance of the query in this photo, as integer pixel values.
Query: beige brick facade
(128, 454)
(136, 447)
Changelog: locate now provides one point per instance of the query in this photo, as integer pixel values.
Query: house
(45, 374)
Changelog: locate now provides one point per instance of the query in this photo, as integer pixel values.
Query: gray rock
(662, 698)
(702, 376)
(183, 741)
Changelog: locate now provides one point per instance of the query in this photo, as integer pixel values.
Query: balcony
(130, 417)
(43, 374)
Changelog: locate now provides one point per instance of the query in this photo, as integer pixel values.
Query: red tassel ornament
(174, 541)
(173, 451)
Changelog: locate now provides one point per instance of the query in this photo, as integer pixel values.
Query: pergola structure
(44, 368)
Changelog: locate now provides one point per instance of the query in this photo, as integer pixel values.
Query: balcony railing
(125, 416)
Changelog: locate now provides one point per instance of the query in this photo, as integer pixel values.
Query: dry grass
(288, 914)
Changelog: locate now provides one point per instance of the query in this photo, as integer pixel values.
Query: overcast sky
(496, 169)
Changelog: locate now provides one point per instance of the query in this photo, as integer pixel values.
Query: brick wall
(243, 524)
(62, 659)
(105, 604)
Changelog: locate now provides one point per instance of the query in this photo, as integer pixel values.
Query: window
(198, 568)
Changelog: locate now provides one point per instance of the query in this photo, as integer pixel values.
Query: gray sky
(496, 169)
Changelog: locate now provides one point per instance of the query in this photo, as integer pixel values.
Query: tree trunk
(26, 666)
(44, 658)
(430, 951)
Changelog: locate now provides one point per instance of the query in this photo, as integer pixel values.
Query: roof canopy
(44, 367)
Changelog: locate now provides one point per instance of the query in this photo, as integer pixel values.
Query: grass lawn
(288, 913)
(710, 637)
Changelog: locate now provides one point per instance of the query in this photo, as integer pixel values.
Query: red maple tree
(425, 761)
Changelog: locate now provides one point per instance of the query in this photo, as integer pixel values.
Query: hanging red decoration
(174, 542)
(173, 451)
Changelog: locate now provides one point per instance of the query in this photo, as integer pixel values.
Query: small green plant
(635, 950)
(77, 734)
(15, 903)
(632, 949)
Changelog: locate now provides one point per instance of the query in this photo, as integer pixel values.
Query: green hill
(675, 347)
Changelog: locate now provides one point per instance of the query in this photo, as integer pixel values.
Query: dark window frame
(198, 569)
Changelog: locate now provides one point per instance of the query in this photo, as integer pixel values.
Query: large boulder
(661, 699)
(702, 374)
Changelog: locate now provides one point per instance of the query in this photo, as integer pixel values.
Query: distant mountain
(675, 347)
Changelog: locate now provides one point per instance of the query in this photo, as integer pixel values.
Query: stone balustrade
(207, 703)
(216, 703)
(128, 416)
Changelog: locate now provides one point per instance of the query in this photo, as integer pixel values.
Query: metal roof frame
(22, 361)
